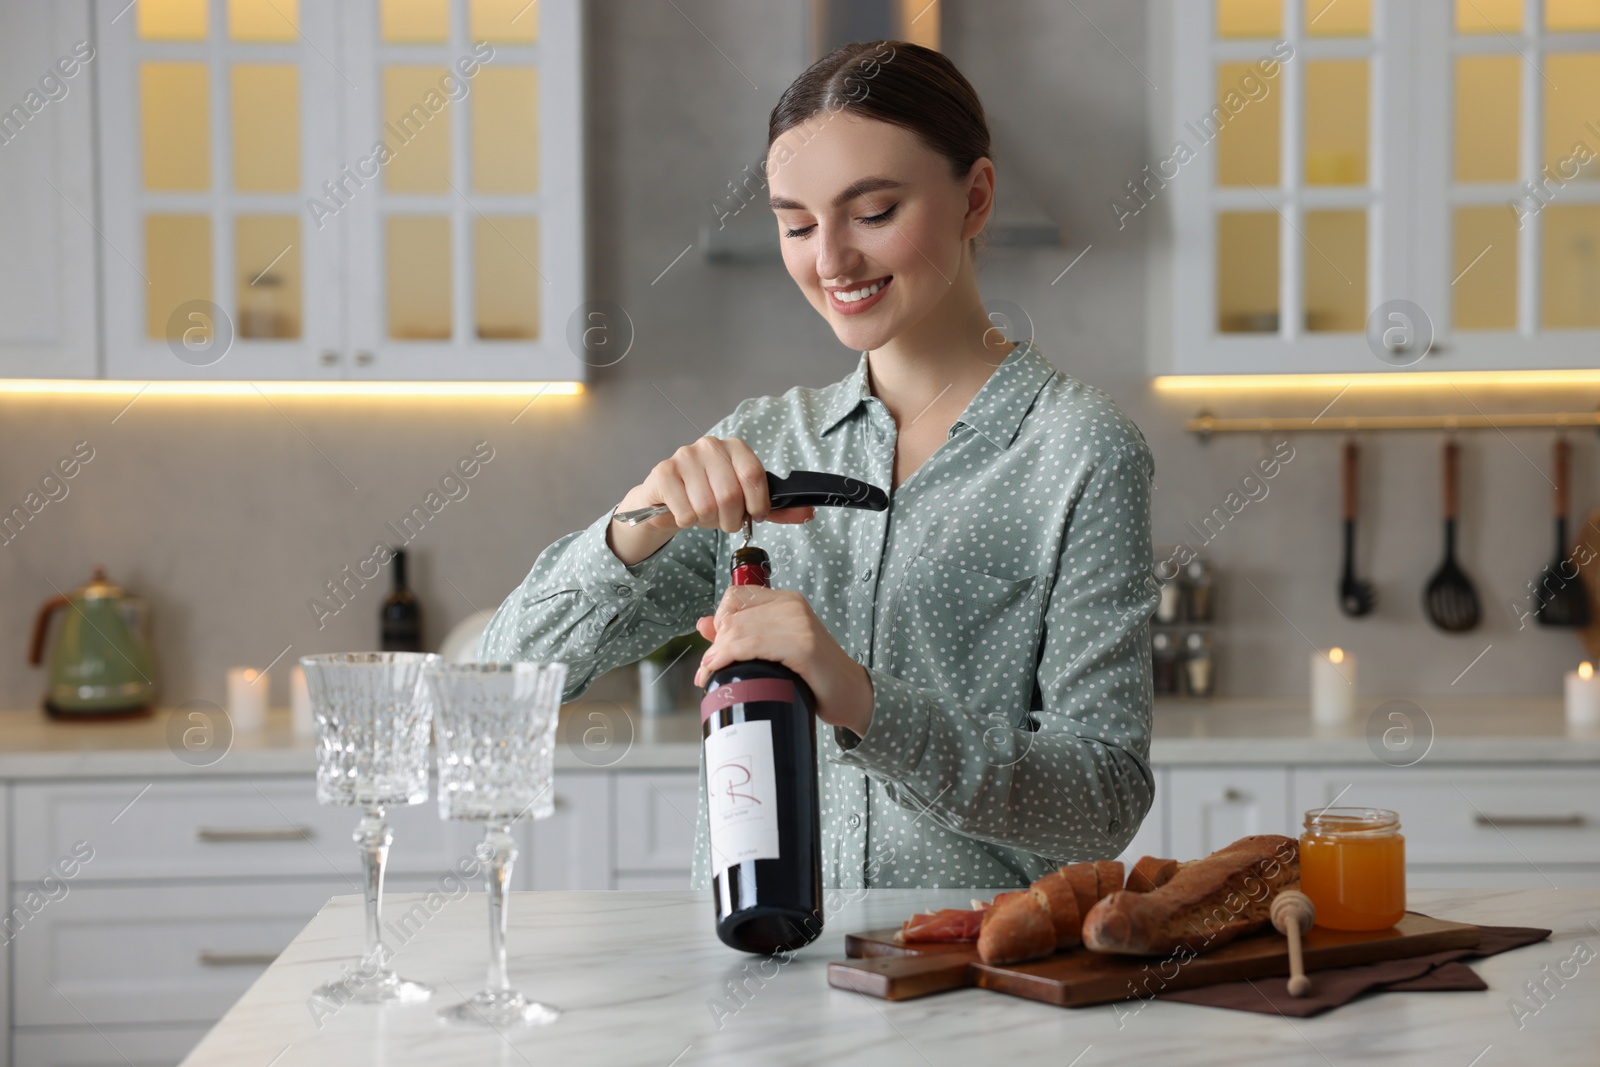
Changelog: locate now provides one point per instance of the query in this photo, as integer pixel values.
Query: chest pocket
(969, 633)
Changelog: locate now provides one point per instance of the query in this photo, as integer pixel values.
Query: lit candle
(300, 703)
(1333, 687)
(1583, 696)
(247, 699)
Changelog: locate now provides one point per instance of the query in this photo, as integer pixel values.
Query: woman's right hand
(712, 483)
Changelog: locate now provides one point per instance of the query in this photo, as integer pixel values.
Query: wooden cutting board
(881, 968)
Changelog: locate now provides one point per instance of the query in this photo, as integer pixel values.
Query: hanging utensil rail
(1205, 424)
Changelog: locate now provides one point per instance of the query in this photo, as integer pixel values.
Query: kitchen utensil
(1587, 553)
(881, 967)
(1355, 596)
(495, 727)
(796, 490)
(1559, 593)
(1292, 915)
(373, 717)
(101, 665)
(1451, 600)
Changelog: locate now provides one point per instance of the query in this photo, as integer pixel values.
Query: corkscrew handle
(797, 489)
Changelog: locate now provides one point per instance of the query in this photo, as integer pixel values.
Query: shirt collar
(996, 411)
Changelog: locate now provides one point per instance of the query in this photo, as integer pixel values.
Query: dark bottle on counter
(759, 728)
(400, 622)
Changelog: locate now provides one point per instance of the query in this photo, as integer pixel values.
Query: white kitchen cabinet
(218, 828)
(1308, 172)
(1503, 822)
(155, 953)
(1211, 807)
(262, 233)
(49, 292)
(5, 933)
(572, 848)
(108, 1046)
(655, 822)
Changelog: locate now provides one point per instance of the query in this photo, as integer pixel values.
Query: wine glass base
(382, 988)
(506, 1008)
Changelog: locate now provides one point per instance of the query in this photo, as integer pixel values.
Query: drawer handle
(274, 833)
(235, 959)
(1235, 796)
(1498, 821)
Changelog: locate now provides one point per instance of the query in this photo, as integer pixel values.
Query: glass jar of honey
(1353, 867)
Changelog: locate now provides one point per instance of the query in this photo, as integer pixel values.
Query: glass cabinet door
(368, 189)
(464, 159)
(217, 129)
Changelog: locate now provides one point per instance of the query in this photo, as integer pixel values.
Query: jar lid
(1346, 822)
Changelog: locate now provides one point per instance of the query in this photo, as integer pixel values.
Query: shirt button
(861, 658)
(624, 590)
(854, 821)
(866, 574)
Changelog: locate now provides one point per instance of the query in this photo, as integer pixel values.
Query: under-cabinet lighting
(1219, 383)
(338, 389)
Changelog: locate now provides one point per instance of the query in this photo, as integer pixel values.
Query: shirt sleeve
(1075, 781)
(582, 606)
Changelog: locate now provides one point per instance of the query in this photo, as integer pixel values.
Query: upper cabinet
(48, 299)
(373, 189)
(1348, 180)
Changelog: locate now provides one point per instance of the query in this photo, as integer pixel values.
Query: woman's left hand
(778, 625)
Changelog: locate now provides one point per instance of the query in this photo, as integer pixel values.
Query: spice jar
(1198, 582)
(1164, 663)
(1198, 665)
(1353, 867)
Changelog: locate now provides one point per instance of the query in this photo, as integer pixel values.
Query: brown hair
(896, 82)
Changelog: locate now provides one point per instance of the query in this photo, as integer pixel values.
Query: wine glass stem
(502, 854)
(373, 837)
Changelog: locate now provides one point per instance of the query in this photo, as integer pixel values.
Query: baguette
(1017, 928)
(1151, 873)
(1205, 904)
(1063, 906)
(1108, 878)
(1084, 882)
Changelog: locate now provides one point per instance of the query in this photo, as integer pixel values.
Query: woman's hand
(754, 622)
(713, 483)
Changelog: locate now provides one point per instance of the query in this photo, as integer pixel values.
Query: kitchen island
(643, 980)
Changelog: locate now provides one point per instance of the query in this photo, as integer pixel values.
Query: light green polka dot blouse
(1001, 606)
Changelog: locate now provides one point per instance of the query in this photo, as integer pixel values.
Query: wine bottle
(758, 724)
(400, 621)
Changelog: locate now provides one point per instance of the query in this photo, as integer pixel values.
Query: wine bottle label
(741, 794)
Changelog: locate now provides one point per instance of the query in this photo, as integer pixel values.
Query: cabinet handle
(235, 959)
(1498, 821)
(1235, 796)
(329, 358)
(210, 835)
(364, 359)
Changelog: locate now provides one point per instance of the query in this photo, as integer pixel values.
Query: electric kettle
(101, 665)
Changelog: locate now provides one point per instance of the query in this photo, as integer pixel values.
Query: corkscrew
(797, 489)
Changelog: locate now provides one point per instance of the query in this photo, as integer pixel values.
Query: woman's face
(873, 225)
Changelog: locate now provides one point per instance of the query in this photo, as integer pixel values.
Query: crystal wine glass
(495, 726)
(372, 715)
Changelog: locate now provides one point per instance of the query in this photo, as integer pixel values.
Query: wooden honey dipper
(1292, 914)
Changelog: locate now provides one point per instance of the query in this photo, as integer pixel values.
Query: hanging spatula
(1559, 592)
(1451, 600)
(1355, 596)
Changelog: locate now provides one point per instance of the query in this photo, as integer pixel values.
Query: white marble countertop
(638, 974)
(605, 735)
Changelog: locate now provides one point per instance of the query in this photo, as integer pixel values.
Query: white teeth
(859, 294)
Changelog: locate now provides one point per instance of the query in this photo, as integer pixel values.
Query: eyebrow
(851, 191)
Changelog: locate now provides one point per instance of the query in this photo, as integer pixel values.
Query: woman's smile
(857, 297)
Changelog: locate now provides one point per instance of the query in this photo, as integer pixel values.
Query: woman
(979, 652)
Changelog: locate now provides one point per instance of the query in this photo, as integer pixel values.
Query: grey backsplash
(229, 515)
